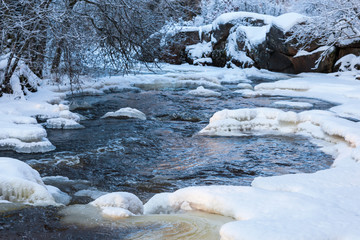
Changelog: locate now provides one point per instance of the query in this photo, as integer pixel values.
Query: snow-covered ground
(322, 205)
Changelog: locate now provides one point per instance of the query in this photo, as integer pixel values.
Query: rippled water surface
(161, 154)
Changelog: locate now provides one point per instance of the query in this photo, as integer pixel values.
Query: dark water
(160, 154)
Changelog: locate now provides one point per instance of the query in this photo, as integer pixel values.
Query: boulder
(174, 49)
(351, 47)
(307, 62)
(225, 22)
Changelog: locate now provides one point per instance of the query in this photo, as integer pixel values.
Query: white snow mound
(126, 113)
(20, 183)
(202, 92)
(62, 123)
(119, 204)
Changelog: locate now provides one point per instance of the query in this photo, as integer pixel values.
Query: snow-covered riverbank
(322, 205)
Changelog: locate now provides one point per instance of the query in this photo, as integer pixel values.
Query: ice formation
(62, 123)
(296, 105)
(20, 183)
(126, 113)
(202, 92)
(119, 205)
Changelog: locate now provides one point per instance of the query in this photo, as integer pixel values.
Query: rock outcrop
(249, 39)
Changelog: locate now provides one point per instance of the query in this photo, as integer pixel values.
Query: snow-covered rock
(126, 113)
(202, 92)
(119, 205)
(20, 135)
(348, 62)
(245, 86)
(62, 123)
(20, 183)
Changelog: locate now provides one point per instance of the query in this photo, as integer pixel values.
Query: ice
(202, 92)
(245, 86)
(126, 113)
(62, 123)
(20, 183)
(119, 204)
(296, 105)
(116, 213)
(58, 195)
(94, 194)
(23, 132)
(26, 147)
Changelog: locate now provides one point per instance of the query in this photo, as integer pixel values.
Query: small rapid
(161, 154)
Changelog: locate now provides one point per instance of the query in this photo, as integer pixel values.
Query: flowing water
(162, 154)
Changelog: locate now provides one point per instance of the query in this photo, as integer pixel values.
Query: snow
(202, 92)
(286, 21)
(20, 183)
(203, 61)
(119, 205)
(320, 49)
(238, 16)
(321, 205)
(234, 52)
(199, 50)
(245, 86)
(349, 62)
(126, 113)
(62, 123)
(255, 35)
(297, 105)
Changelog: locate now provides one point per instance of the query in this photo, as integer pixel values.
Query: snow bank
(20, 183)
(202, 92)
(119, 205)
(126, 113)
(322, 125)
(342, 90)
(23, 135)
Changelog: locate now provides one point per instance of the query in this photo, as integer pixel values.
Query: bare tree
(23, 29)
(331, 22)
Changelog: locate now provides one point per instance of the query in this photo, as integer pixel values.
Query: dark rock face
(276, 41)
(280, 62)
(307, 63)
(174, 50)
(220, 35)
(219, 57)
